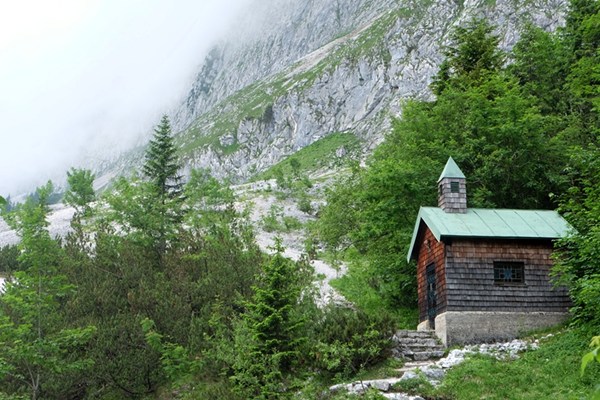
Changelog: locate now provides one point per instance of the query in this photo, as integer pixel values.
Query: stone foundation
(465, 327)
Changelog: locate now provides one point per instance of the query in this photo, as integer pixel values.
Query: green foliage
(473, 55)
(161, 166)
(272, 221)
(275, 221)
(345, 341)
(175, 358)
(9, 262)
(152, 310)
(146, 220)
(163, 193)
(267, 338)
(577, 262)
(541, 65)
(81, 190)
(552, 371)
(35, 343)
(305, 203)
(593, 355)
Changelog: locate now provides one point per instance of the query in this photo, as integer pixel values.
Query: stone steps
(417, 345)
(413, 365)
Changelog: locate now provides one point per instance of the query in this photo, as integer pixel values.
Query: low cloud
(88, 78)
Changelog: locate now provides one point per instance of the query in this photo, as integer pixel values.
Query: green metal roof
(451, 170)
(491, 223)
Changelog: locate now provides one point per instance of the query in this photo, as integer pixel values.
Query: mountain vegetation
(517, 149)
(161, 284)
(161, 291)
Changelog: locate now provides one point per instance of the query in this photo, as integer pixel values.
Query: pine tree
(162, 170)
(161, 166)
(270, 329)
(473, 55)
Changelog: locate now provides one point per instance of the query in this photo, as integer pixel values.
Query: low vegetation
(318, 155)
(161, 288)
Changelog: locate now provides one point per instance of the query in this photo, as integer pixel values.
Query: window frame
(454, 187)
(516, 268)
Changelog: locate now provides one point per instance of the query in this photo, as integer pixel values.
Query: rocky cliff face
(305, 70)
(271, 36)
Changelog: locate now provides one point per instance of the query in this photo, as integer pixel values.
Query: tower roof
(451, 170)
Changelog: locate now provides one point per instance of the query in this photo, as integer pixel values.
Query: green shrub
(291, 223)
(272, 221)
(347, 340)
(304, 203)
(417, 386)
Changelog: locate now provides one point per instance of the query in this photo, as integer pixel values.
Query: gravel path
(293, 241)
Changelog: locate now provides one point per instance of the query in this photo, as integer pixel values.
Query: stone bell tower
(452, 189)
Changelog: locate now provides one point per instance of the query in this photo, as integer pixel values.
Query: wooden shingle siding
(449, 201)
(430, 251)
(470, 277)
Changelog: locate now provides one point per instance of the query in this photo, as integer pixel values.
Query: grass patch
(314, 156)
(388, 368)
(419, 386)
(551, 372)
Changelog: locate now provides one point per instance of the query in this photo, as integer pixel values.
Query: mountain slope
(300, 72)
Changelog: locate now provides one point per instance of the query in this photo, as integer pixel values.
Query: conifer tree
(161, 166)
(271, 327)
(474, 54)
(162, 171)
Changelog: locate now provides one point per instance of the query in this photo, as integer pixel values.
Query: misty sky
(81, 75)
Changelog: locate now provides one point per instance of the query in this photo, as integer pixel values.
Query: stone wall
(476, 327)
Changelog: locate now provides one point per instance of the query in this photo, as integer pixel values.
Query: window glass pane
(454, 186)
(509, 272)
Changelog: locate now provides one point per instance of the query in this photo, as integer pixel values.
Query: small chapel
(483, 274)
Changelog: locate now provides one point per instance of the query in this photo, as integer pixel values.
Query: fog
(82, 79)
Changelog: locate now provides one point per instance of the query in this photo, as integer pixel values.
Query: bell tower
(452, 189)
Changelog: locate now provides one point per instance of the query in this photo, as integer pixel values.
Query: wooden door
(431, 294)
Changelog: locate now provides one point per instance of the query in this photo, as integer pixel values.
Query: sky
(86, 78)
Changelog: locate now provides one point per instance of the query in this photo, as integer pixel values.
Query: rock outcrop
(301, 71)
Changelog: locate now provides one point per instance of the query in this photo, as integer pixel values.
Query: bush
(304, 204)
(346, 340)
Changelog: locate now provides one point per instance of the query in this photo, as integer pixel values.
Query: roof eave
(450, 236)
(422, 216)
(413, 240)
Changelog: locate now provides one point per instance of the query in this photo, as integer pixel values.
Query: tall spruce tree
(473, 56)
(270, 331)
(162, 171)
(161, 166)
